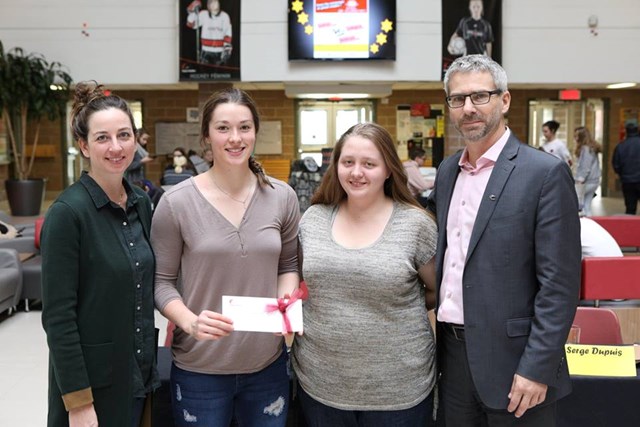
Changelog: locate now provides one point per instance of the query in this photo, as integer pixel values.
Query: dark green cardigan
(88, 303)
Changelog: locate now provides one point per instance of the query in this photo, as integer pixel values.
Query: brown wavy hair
(331, 192)
(233, 96)
(89, 98)
(583, 137)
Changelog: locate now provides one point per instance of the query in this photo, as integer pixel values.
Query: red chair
(598, 326)
(169, 339)
(625, 229)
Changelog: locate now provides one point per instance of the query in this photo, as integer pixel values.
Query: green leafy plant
(31, 88)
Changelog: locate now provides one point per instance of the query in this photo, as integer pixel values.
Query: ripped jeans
(260, 399)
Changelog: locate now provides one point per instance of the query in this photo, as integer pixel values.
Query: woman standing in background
(552, 145)
(135, 171)
(97, 277)
(588, 169)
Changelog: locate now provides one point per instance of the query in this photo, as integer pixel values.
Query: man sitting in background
(416, 182)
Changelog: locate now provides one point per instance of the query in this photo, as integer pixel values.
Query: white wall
(136, 41)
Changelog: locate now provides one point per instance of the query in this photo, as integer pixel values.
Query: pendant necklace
(242, 202)
(121, 200)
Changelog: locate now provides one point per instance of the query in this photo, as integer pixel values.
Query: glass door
(321, 123)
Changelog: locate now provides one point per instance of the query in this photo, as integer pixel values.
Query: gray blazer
(521, 277)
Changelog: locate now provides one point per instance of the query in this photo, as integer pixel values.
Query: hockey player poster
(209, 40)
(471, 27)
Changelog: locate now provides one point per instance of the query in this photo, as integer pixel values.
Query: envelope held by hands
(251, 314)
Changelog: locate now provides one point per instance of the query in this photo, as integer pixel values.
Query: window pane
(313, 126)
(344, 120)
(136, 111)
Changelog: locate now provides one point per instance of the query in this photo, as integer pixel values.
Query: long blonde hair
(583, 137)
(331, 192)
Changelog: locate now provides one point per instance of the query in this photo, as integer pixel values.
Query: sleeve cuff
(77, 399)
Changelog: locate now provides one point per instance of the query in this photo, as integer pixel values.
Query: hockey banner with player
(471, 27)
(209, 40)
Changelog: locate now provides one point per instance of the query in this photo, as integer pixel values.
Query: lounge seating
(606, 278)
(10, 279)
(625, 229)
(32, 267)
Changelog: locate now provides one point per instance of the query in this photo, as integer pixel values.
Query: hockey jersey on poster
(209, 40)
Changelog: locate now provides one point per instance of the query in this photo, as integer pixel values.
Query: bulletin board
(269, 139)
(168, 136)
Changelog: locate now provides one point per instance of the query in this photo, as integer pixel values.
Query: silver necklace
(243, 202)
(121, 200)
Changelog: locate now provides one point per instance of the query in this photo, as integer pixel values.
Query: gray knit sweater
(367, 342)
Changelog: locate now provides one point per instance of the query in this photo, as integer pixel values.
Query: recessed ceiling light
(621, 85)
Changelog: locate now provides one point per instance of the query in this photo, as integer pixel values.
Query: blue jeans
(260, 399)
(317, 414)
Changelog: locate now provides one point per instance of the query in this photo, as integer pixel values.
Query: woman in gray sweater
(588, 169)
(367, 354)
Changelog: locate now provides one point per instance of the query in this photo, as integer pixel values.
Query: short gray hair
(477, 64)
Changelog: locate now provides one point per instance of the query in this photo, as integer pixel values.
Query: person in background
(305, 179)
(207, 154)
(626, 163)
(214, 25)
(198, 162)
(98, 276)
(416, 182)
(179, 170)
(596, 241)
(229, 231)
(154, 193)
(135, 171)
(552, 145)
(588, 168)
(508, 262)
(367, 356)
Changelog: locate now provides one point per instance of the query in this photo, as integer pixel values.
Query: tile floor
(23, 353)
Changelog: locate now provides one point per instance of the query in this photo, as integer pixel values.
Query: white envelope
(250, 314)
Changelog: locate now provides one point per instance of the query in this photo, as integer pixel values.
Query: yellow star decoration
(374, 48)
(308, 29)
(381, 39)
(386, 25)
(303, 18)
(297, 6)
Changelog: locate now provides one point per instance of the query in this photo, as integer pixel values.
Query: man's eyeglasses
(477, 98)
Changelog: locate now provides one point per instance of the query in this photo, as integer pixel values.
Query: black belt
(455, 329)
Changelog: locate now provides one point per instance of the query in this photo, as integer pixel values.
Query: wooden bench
(625, 229)
(278, 168)
(605, 278)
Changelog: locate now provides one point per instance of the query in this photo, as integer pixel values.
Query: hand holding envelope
(254, 314)
(210, 325)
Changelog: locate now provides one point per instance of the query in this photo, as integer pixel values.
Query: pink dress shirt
(465, 202)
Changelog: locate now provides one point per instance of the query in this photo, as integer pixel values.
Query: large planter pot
(25, 196)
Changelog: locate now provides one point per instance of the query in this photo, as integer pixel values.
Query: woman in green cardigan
(98, 272)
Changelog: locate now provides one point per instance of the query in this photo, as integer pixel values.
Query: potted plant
(31, 88)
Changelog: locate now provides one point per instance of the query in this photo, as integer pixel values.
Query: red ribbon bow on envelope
(284, 303)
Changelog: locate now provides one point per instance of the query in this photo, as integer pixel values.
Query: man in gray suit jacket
(508, 262)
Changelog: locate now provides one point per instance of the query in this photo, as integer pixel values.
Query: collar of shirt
(488, 159)
(98, 195)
